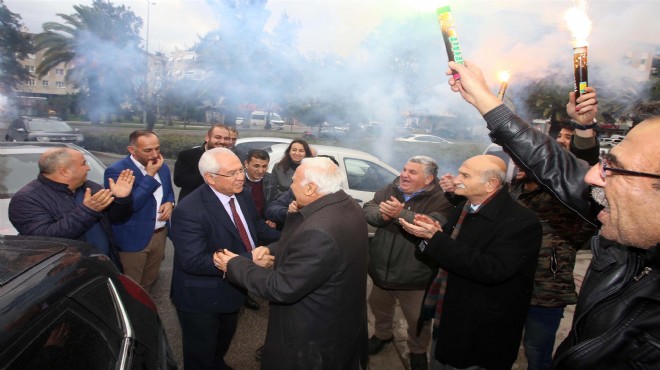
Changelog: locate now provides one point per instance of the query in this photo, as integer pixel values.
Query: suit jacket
(491, 267)
(186, 170)
(317, 288)
(201, 226)
(134, 234)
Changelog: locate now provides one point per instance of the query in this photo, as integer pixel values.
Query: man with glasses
(617, 318)
(218, 215)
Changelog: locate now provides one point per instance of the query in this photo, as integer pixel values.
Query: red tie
(240, 226)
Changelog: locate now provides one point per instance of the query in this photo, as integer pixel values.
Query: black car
(63, 305)
(46, 129)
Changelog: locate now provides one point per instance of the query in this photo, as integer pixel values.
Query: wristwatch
(578, 126)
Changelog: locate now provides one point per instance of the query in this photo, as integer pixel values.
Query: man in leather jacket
(617, 318)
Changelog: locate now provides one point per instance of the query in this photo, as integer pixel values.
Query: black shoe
(418, 361)
(251, 303)
(376, 344)
(259, 353)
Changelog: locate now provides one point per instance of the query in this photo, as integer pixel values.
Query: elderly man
(398, 272)
(318, 314)
(186, 172)
(141, 238)
(489, 249)
(616, 322)
(62, 203)
(216, 215)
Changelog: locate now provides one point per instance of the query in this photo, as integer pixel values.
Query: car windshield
(16, 170)
(48, 125)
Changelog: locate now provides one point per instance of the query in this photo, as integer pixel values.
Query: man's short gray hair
(54, 158)
(430, 165)
(324, 173)
(207, 162)
(495, 173)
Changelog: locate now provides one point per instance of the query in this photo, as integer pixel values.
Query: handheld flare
(449, 36)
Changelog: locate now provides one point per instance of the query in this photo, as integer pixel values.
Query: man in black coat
(186, 170)
(489, 249)
(317, 287)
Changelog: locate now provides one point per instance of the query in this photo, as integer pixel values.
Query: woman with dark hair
(284, 169)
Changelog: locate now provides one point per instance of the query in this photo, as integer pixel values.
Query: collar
(138, 164)
(492, 206)
(57, 186)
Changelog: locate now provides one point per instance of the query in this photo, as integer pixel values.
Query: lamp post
(146, 76)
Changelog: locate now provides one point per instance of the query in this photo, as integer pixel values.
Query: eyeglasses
(605, 166)
(232, 174)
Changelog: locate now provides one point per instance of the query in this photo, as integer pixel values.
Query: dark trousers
(206, 338)
(539, 340)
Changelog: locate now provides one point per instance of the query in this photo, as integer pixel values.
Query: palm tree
(100, 43)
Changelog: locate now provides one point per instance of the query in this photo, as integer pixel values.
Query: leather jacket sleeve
(555, 168)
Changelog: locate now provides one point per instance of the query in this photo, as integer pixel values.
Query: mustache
(598, 194)
(460, 186)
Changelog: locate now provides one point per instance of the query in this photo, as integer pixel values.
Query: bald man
(62, 203)
(487, 252)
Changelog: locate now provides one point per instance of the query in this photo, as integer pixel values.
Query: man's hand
(423, 227)
(221, 258)
(152, 168)
(472, 86)
(271, 224)
(261, 256)
(124, 184)
(99, 201)
(293, 207)
(390, 209)
(587, 106)
(447, 183)
(165, 211)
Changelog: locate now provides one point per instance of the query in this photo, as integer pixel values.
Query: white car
(248, 143)
(423, 138)
(18, 166)
(364, 174)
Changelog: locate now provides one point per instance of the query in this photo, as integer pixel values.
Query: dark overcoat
(317, 288)
(491, 269)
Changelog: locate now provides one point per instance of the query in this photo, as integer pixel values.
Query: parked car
(423, 138)
(63, 305)
(258, 118)
(245, 144)
(42, 130)
(364, 173)
(18, 166)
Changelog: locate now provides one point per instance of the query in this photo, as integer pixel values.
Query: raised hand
(584, 109)
(154, 166)
(447, 183)
(472, 86)
(124, 184)
(99, 201)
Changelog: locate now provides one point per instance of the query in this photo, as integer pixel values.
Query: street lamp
(146, 76)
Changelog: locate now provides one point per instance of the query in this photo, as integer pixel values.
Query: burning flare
(580, 27)
(503, 76)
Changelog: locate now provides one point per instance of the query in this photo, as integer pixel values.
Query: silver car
(18, 166)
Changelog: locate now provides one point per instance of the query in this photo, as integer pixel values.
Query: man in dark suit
(218, 215)
(186, 172)
(489, 249)
(317, 289)
(141, 238)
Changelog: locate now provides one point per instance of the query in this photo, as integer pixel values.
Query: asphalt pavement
(251, 330)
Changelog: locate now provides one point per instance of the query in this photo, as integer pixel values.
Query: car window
(70, 338)
(365, 175)
(16, 170)
(48, 125)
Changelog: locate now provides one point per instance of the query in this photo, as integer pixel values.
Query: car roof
(34, 147)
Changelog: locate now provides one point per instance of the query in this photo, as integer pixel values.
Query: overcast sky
(335, 25)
